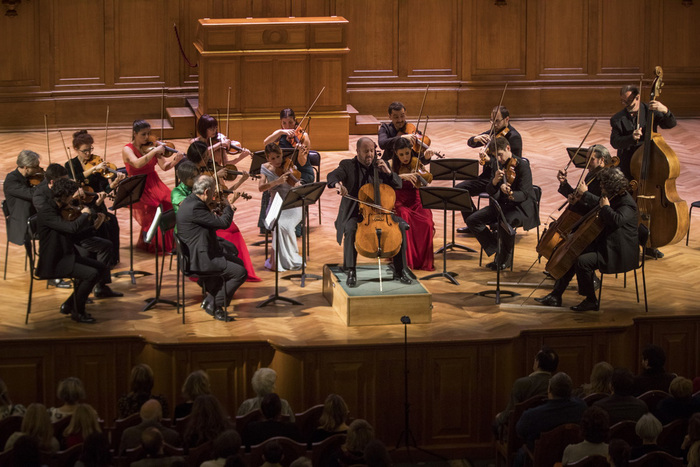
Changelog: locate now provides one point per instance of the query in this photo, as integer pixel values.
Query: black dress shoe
(208, 302)
(221, 315)
(493, 265)
(67, 308)
(352, 278)
(596, 283)
(60, 283)
(586, 305)
(653, 252)
(549, 300)
(209, 307)
(82, 318)
(404, 278)
(463, 230)
(106, 292)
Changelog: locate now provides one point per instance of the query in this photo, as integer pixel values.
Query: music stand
(503, 224)
(257, 160)
(128, 192)
(305, 195)
(437, 197)
(294, 202)
(579, 159)
(454, 169)
(164, 222)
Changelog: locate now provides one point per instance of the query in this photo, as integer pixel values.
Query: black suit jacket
(42, 195)
(19, 194)
(589, 199)
(515, 141)
(618, 244)
(197, 226)
(523, 195)
(349, 173)
(57, 241)
(387, 137)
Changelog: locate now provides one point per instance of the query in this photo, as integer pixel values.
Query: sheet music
(273, 212)
(154, 226)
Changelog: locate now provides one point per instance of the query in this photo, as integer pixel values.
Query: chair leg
(29, 301)
(690, 218)
(644, 286)
(7, 250)
(600, 291)
(624, 280)
(636, 285)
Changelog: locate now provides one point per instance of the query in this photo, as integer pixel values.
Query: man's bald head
(151, 410)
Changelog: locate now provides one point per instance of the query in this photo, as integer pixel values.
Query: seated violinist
(58, 255)
(19, 189)
(419, 238)
(390, 132)
(197, 226)
(614, 250)
(200, 153)
(347, 179)
(516, 199)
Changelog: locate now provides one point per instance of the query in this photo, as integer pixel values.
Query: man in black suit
(57, 253)
(392, 131)
(622, 405)
(348, 178)
(517, 202)
(197, 226)
(615, 250)
(19, 193)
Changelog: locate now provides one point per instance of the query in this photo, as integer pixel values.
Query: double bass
(655, 167)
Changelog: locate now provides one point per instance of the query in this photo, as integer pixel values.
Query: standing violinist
(397, 128)
(628, 127)
(18, 195)
(500, 120)
(615, 250)
(347, 179)
(141, 157)
(419, 238)
(516, 199)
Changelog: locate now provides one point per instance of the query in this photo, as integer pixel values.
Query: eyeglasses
(87, 151)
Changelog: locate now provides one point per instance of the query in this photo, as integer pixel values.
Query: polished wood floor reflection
(458, 314)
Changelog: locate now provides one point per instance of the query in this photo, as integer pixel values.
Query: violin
(509, 174)
(483, 153)
(298, 137)
(422, 143)
(424, 178)
(70, 212)
(35, 175)
(153, 143)
(232, 172)
(216, 205)
(294, 176)
(109, 171)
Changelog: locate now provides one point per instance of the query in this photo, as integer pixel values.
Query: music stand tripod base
(450, 276)
(497, 294)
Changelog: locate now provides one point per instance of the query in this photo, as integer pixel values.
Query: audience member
(37, 424)
(151, 415)
(207, 421)
(352, 452)
(618, 453)
(7, 408)
(263, 383)
(272, 454)
(648, 428)
(235, 461)
(226, 445)
(595, 426)
(333, 419)
(196, 384)
(71, 392)
(96, 451)
(681, 404)
(152, 442)
(259, 431)
(600, 383)
(535, 384)
(376, 454)
(26, 452)
(691, 443)
(141, 387)
(82, 424)
(302, 461)
(653, 375)
(622, 405)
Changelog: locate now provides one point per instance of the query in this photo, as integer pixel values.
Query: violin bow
(228, 108)
(72, 169)
(46, 128)
(106, 129)
(580, 145)
(420, 112)
(498, 109)
(641, 80)
(293, 156)
(162, 111)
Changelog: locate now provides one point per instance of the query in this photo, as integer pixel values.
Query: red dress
(419, 238)
(234, 235)
(154, 194)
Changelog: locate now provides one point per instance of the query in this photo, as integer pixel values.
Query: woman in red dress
(141, 157)
(419, 238)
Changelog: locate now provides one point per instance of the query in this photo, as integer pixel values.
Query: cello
(655, 167)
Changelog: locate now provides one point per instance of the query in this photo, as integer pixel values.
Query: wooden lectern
(271, 64)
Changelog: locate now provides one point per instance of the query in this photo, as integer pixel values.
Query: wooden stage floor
(458, 314)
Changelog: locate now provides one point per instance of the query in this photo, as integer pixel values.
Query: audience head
(187, 171)
(546, 359)
(302, 461)
(263, 381)
(335, 412)
(227, 444)
(601, 378)
(694, 427)
(376, 454)
(26, 452)
(622, 382)
(83, 421)
(235, 461)
(618, 453)
(653, 357)
(681, 388)
(196, 384)
(96, 450)
(648, 428)
(4, 395)
(271, 406)
(207, 421)
(151, 410)
(152, 442)
(272, 452)
(560, 386)
(36, 423)
(141, 379)
(28, 159)
(595, 424)
(360, 433)
(71, 390)
(55, 171)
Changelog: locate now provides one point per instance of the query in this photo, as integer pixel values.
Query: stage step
(178, 123)
(362, 124)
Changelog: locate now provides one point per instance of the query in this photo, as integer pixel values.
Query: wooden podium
(271, 64)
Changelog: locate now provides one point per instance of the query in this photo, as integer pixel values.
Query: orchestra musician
(615, 250)
(500, 120)
(200, 153)
(58, 255)
(627, 130)
(517, 200)
(347, 179)
(585, 196)
(141, 156)
(197, 226)
(419, 238)
(18, 195)
(390, 132)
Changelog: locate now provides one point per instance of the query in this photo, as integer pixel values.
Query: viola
(424, 178)
(109, 171)
(35, 175)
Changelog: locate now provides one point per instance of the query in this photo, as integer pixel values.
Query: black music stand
(454, 169)
(258, 159)
(166, 222)
(511, 231)
(304, 196)
(438, 197)
(128, 192)
(288, 203)
(579, 159)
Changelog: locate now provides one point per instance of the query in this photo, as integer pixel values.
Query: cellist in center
(347, 179)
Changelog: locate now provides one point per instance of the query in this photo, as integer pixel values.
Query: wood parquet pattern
(458, 313)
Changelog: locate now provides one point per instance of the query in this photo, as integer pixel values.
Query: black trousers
(233, 276)
(350, 253)
(109, 230)
(86, 273)
(584, 268)
(474, 187)
(479, 222)
(101, 250)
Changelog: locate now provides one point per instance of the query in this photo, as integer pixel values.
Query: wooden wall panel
(20, 48)
(563, 37)
(139, 30)
(680, 45)
(621, 49)
(498, 38)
